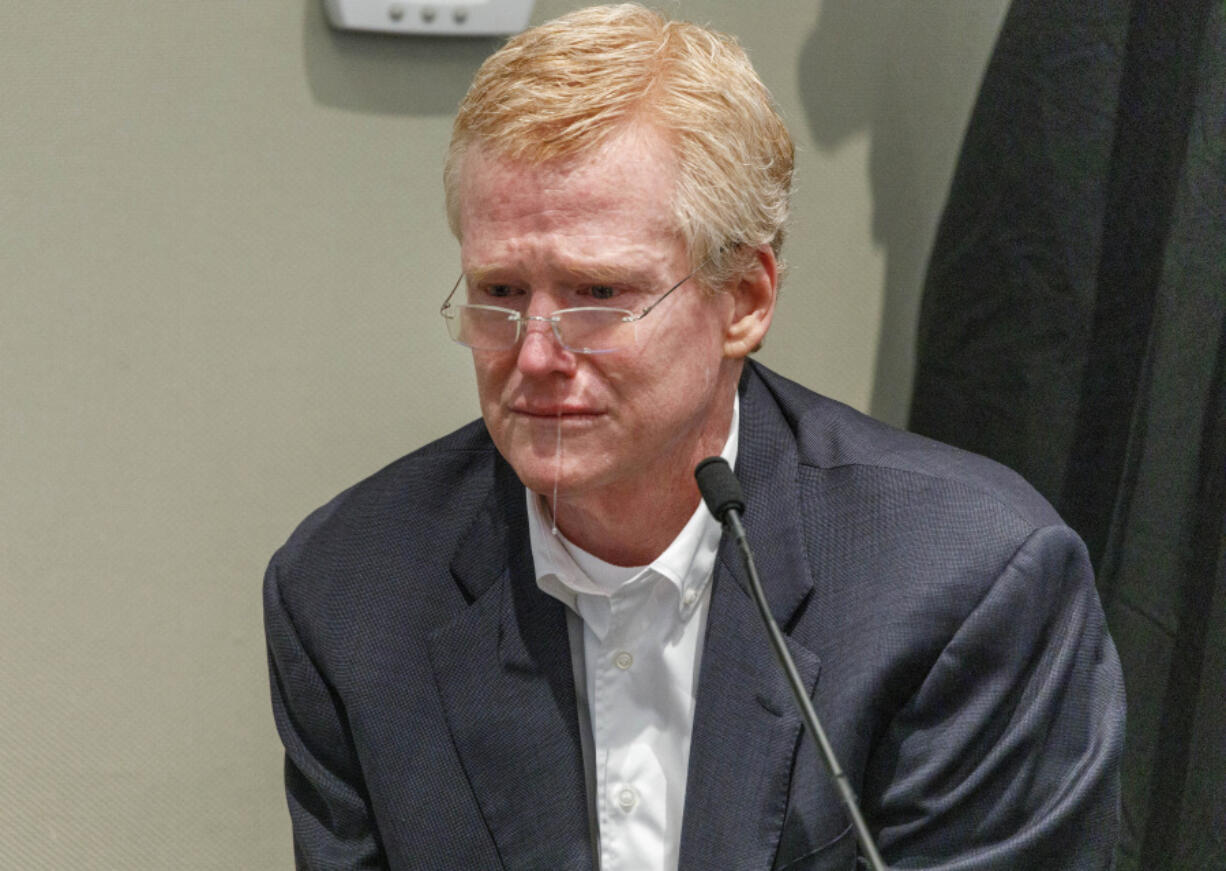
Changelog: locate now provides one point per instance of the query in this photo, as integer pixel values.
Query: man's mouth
(554, 411)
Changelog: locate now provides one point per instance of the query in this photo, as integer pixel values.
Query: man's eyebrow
(610, 273)
(587, 273)
(481, 273)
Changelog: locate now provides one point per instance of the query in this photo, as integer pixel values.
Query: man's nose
(540, 352)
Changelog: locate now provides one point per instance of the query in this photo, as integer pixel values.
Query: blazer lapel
(746, 727)
(504, 674)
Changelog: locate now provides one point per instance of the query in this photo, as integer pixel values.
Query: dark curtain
(1073, 326)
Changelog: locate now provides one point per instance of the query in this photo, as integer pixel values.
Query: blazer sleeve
(333, 824)
(1007, 755)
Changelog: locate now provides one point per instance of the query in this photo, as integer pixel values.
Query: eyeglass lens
(582, 330)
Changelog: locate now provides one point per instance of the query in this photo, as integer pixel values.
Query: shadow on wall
(388, 75)
(907, 73)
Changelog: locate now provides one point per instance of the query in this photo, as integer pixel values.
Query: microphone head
(719, 487)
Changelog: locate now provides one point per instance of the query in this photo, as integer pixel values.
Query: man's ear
(753, 294)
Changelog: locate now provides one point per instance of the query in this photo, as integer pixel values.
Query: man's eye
(501, 291)
(601, 291)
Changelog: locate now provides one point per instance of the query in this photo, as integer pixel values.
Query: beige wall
(221, 256)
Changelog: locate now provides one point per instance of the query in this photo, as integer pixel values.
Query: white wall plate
(431, 17)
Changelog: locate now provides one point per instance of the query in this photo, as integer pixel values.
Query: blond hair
(567, 86)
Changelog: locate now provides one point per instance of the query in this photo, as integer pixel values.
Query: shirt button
(690, 595)
(626, 798)
(623, 660)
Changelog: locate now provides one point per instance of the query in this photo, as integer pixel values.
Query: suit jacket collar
(505, 677)
(504, 673)
(768, 468)
(746, 727)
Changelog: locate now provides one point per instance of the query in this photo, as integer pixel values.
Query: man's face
(596, 230)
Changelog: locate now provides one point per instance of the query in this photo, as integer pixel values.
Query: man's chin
(544, 481)
(543, 475)
(534, 455)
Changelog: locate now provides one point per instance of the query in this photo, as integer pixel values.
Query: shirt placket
(626, 759)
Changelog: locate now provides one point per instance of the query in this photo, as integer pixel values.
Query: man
(526, 645)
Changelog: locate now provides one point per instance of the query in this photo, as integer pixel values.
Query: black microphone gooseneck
(722, 493)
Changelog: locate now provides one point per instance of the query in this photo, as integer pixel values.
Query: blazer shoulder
(415, 505)
(831, 435)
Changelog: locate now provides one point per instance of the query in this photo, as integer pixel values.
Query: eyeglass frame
(520, 320)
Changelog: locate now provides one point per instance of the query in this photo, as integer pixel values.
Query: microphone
(719, 487)
(722, 492)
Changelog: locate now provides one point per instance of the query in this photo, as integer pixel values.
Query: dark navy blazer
(943, 615)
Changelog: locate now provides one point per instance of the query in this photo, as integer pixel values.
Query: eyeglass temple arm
(645, 312)
(447, 302)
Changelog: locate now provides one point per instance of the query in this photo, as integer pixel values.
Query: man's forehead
(616, 197)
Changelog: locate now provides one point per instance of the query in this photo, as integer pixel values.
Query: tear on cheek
(557, 472)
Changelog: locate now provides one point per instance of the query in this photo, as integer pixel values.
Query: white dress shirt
(636, 675)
